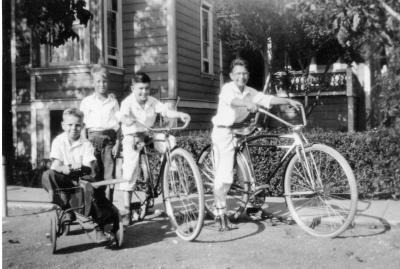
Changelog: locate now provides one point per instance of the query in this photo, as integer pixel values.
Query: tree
(51, 21)
(367, 31)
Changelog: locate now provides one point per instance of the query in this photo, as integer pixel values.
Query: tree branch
(390, 10)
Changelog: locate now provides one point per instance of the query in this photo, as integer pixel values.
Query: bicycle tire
(321, 207)
(53, 231)
(141, 196)
(120, 233)
(238, 195)
(183, 194)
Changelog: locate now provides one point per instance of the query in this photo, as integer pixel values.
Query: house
(174, 41)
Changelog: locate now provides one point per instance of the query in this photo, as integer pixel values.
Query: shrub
(374, 157)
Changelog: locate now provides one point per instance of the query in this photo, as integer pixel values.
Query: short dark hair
(99, 69)
(239, 61)
(73, 111)
(140, 77)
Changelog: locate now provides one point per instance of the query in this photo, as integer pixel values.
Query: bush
(374, 157)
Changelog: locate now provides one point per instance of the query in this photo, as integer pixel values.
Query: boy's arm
(116, 147)
(58, 166)
(284, 101)
(170, 113)
(252, 107)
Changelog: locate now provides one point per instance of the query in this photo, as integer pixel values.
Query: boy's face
(100, 83)
(240, 76)
(72, 125)
(141, 91)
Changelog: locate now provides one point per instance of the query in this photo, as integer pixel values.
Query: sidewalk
(370, 212)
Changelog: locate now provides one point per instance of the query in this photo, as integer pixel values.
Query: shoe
(68, 217)
(101, 237)
(224, 223)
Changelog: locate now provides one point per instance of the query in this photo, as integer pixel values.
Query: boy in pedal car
(72, 160)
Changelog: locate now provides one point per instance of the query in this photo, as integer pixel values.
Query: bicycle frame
(297, 147)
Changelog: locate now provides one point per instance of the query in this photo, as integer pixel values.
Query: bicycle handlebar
(163, 129)
(303, 116)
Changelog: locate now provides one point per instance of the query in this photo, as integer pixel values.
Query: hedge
(373, 155)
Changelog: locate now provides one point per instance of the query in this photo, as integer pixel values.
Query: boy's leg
(130, 171)
(108, 166)
(224, 153)
(103, 142)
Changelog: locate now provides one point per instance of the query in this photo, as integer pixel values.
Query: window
(113, 32)
(206, 25)
(72, 52)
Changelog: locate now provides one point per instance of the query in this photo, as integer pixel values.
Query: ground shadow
(235, 234)
(363, 225)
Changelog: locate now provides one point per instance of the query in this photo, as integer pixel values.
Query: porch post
(350, 100)
(172, 52)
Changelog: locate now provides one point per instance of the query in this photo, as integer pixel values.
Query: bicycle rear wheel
(183, 194)
(321, 191)
(143, 194)
(54, 233)
(238, 195)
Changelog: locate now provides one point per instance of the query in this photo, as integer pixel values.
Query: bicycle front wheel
(238, 195)
(183, 194)
(321, 191)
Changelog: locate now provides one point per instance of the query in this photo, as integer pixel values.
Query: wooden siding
(73, 85)
(200, 117)
(192, 84)
(145, 42)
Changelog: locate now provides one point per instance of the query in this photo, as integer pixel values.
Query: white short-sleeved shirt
(147, 114)
(228, 114)
(80, 151)
(100, 114)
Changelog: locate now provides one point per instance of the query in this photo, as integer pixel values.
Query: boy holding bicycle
(236, 102)
(138, 109)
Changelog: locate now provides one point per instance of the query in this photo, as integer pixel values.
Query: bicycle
(319, 186)
(181, 188)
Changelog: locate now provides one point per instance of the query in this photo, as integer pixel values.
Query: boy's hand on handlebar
(251, 107)
(184, 117)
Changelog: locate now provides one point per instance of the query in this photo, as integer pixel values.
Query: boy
(73, 158)
(142, 108)
(236, 101)
(100, 110)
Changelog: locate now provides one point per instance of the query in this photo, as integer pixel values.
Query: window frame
(83, 47)
(108, 56)
(205, 6)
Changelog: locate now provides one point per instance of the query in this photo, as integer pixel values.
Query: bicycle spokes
(321, 191)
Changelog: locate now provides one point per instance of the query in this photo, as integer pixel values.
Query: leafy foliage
(51, 21)
(373, 155)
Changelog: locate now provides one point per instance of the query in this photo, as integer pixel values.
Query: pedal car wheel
(53, 231)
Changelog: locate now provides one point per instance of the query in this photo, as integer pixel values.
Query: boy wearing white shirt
(236, 101)
(73, 159)
(142, 108)
(102, 125)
